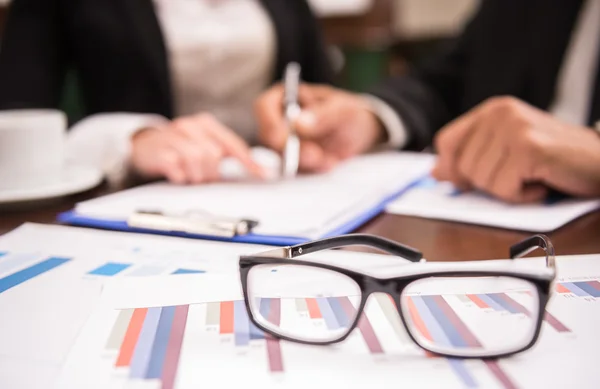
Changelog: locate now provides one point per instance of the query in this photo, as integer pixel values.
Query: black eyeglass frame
(395, 286)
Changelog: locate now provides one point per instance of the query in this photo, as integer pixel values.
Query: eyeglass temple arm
(383, 244)
(532, 243)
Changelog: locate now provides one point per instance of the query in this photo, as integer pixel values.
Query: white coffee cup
(32, 148)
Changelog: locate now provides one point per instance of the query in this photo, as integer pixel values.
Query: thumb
(319, 121)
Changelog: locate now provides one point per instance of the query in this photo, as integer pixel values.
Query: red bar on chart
(594, 284)
(273, 345)
(416, 319)
(174, 347)
(364, 325)
(561, 289)
(226, 324)
(313, 309)
(500, 374)
(555, 323)
(479, 302)
(131, 337)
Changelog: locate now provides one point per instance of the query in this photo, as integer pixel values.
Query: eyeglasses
(468, 310)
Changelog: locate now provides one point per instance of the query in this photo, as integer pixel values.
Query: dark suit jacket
(117, 49)
(510, 47)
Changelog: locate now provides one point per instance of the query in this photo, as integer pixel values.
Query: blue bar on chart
(143, 348)
(188, 271)
(159, 348)
(30, 272)
(327, 313)
(588, 288)
(3, 253)
(109, 269)
(241, 324)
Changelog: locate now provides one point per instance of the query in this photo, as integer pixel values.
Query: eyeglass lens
(490, 316)
(316, 305)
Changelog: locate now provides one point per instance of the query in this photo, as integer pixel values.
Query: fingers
(448, 144)
(232, 145)
(510, 183)
(313, 158)
(268, 109)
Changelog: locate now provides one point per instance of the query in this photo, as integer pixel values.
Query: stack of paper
(440, 200)
(304, 208)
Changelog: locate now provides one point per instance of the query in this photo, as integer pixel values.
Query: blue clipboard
(75, 219)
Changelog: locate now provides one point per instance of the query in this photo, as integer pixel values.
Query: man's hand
(334, 125)
(515, 152)
(188, 150)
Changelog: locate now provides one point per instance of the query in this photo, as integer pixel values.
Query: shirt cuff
(103, 141)
(398, 136)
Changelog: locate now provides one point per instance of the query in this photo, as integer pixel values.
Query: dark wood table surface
(439, 241)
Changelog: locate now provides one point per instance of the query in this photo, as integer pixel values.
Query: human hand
(334, 125)
(515, 152)
(189, 150)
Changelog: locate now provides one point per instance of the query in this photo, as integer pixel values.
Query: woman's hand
(189, 150)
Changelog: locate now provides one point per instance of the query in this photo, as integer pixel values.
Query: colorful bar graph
(589, 288)
(364, 325)
(479, 302)
(462, 372)
(109, 269)
(188, 271)
(131, 337)
(30, 272)
(143, 349)
(595, 284)
(575, 289)
(117, 335)
(174, 347)
(427, 310)
(226, 320)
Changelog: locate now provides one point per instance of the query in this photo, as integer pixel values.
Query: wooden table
(439, 241)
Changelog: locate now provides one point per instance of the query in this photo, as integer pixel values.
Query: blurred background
(368, 39)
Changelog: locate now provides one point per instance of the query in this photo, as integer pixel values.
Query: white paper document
(150, 335)
(440, 200)
(51, 278)
(308, 206)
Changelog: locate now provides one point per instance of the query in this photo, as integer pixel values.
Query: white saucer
(75, 179)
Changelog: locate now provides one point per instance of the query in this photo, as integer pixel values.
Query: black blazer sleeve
(33, 55)
(317, 68)
(430, 95)
(299, 39)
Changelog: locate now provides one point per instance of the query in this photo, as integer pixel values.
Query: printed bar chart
(150, 342)
(502, 302)
(580, 289)
(32, 271)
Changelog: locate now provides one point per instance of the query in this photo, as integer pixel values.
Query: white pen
(291, 152)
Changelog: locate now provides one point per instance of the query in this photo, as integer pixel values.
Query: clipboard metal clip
(192, 222)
